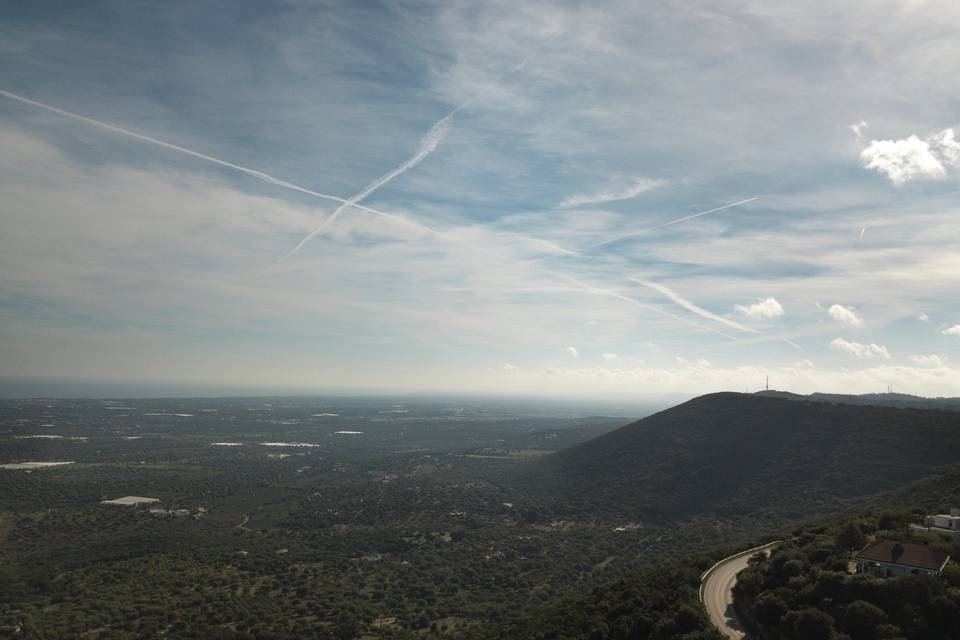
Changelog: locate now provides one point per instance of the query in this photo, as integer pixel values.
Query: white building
(130, 501)
(944, 521)
(942, 524)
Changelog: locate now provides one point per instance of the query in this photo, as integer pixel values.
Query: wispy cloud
(858, 128)
(928, 361)
(859, 350)
(633, 188)
(572, 352)
(762, 308)
(952, 331)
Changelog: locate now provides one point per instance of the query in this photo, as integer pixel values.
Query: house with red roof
(889, 558)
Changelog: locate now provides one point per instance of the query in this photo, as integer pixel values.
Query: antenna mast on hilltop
(768, 382)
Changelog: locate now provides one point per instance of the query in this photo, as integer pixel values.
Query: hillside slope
(736, 454)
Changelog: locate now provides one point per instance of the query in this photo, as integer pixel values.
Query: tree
(809, 624)
(861, 619)
(890, 520)
(770, 609)
(888, 632)
(851, 537)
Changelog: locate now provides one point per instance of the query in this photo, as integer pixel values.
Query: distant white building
(130, 501)
(890, 559)
(942, 524)
(944, 521)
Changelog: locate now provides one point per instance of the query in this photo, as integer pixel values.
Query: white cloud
(633, 188)
(927, 361)
(768, 308)
(845, 315)
(858, 128)
(611, 357)
(946, 146)
(506, 367)
(859, 350)
(952, 331)
(572, 351)
(923, 317)
(912, 158)
(703, 362)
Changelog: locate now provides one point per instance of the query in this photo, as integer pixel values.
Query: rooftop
(908, 554)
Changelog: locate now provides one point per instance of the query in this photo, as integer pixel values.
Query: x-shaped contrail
(354, 201)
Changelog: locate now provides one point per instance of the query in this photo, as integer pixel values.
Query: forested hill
(737, 454)
(897, 400)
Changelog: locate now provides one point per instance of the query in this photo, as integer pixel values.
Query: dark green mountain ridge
(735, 456)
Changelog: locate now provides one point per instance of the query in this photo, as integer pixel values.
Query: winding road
(716, 591)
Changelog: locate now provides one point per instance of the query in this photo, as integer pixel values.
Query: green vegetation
(805, 591)
(435, 521)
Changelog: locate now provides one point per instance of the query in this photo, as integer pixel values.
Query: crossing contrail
(266, 177)
(428, 144)
(260, 175)
(425, 149)
(672, 222)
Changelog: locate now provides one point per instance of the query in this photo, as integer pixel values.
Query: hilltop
(738, 455)
(896, 400)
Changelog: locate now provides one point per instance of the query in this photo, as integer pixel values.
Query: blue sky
(479, 157)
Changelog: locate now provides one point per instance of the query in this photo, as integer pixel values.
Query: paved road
(717, 593)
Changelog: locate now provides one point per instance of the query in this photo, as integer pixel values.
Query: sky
(551, 198)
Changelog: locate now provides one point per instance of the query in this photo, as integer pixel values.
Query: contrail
(547, 244)
(686, 304)
(265, 177)
(862, 231)
(230, 165)
(672, 222)
(428, 144)
(260, 175)
(608, 292)
(167, 145)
